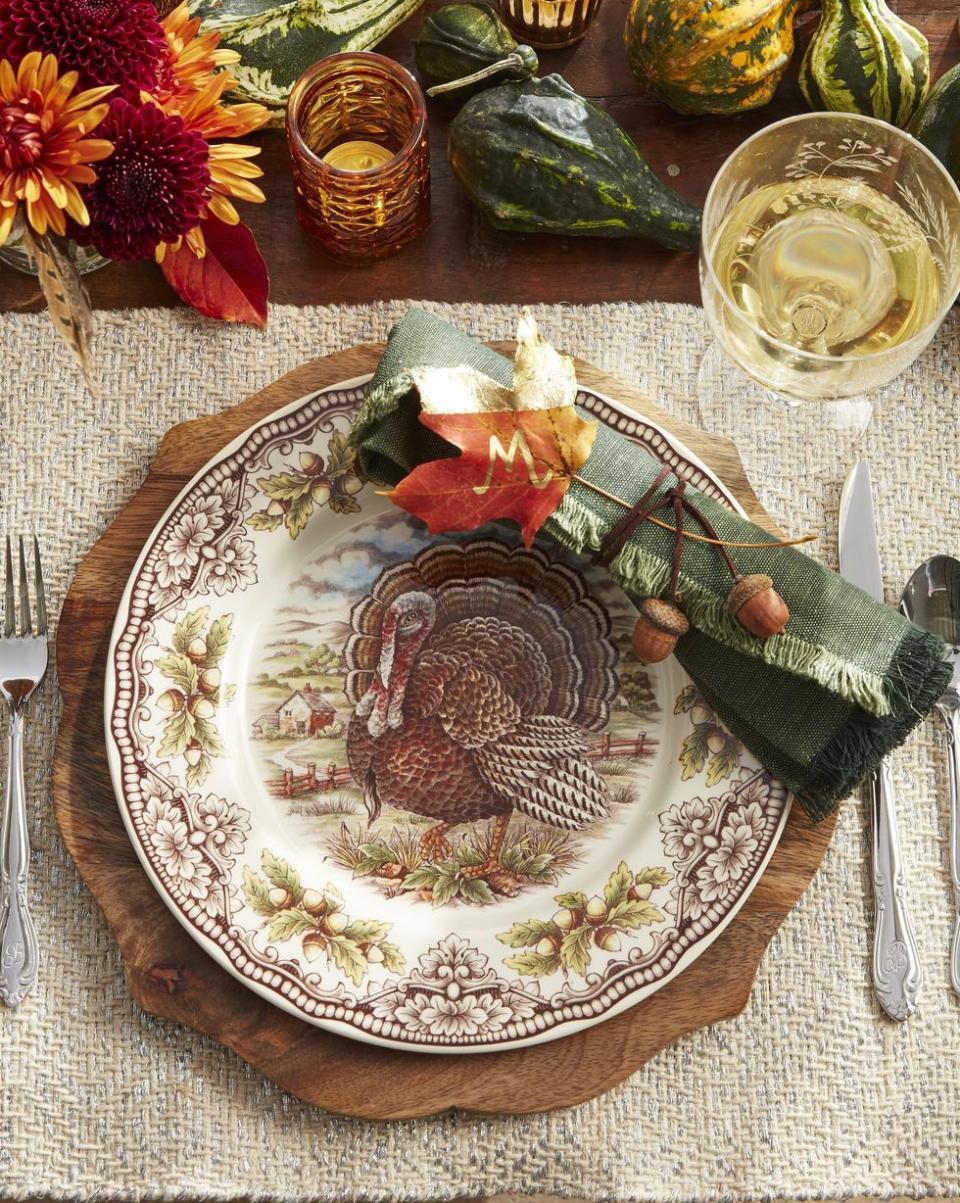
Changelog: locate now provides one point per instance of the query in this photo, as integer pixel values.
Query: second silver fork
(23, 664)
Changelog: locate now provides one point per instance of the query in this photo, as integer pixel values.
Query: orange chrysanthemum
(44, 148)
(192, 57)
(192, 85)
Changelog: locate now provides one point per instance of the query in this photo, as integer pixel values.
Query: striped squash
(710, 56)
(278, 41)
(865, 59)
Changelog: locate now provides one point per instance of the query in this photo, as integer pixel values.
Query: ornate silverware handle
(951, 721)
(897, 975)
(19, 953)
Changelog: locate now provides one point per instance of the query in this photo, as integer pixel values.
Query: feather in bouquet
(114, 135)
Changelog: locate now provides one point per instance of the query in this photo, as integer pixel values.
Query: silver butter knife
(897, 975)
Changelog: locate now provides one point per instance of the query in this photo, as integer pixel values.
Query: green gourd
(464, 45)
(937, 122)
(535, 156)
(710, 56)
(865, 59)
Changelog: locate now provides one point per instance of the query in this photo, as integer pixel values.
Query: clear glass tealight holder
(357, 131)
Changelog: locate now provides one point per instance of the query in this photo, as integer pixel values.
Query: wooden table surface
(459, 257)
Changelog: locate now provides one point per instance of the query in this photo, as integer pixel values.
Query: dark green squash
(464, 45)
(865, 59)
(710, 56)
(937, 122)
(535, 156)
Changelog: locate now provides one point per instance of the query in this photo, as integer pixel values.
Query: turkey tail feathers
(539, 766)
(483, 578)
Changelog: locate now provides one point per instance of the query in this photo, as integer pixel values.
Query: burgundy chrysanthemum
(108, 41)
(151, 189)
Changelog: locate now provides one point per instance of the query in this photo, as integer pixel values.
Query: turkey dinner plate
(417, 790)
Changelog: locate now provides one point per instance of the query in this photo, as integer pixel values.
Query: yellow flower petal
(76, 208)
(233, 150)
(27, 71)
(47, 75)
(220, 207)
(8, 81)
(8, 216)
(196, 242)
(37, 216)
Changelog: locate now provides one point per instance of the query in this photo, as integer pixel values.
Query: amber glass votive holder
(548, 24)
(367, 98)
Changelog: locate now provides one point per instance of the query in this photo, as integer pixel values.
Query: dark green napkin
(819, 705)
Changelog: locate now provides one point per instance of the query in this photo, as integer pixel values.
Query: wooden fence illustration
(291, 784)
(641, 747)
(310, 782)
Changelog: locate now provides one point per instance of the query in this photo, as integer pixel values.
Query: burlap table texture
(808, 1093)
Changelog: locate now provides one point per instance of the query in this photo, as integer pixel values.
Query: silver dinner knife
(897, 975)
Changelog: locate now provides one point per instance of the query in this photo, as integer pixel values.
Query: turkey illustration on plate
(478, 675)
(478, 710)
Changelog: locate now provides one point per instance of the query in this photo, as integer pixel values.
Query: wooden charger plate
(172, 977)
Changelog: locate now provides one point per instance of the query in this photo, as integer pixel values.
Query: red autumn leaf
(229, 282)
(514, 464)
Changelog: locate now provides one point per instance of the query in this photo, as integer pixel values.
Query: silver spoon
(932, 600)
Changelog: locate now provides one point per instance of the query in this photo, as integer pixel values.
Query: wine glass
(830, 256)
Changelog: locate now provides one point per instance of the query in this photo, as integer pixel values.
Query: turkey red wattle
(406, 624)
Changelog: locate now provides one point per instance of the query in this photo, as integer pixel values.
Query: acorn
(311, 463)
(607, 939)
(374, 954)
(641, 892)
(756, 605)
(320, 493)
(197, 648)
(171, 701)
(314, 902)
(209, 680)
(660, 625)
(546, 947)
(716, 742)
(279, 897)
(201, 707)
(314, 945)
(193, 754)
(350, 484)
(336, 922)
(564, 919)
(596, 910)
(276, 508)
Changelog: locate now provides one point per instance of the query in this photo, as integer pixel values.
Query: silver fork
(23, 664)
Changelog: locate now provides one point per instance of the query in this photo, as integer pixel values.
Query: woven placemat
(808, 1093)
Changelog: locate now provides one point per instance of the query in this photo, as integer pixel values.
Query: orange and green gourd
(865, 59)
(710, 56)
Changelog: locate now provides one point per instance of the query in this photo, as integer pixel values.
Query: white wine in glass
(830, 255)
